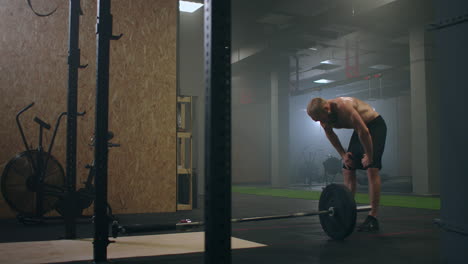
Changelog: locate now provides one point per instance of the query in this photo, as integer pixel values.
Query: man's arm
(334, 140)
(363, 132)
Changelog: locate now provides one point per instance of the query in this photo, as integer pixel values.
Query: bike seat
(41, 123)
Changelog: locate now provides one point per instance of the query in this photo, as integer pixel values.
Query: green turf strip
(361, 198)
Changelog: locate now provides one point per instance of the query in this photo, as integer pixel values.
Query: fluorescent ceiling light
(323, 81)
(380, 67)
(326, 62)
(190, 7)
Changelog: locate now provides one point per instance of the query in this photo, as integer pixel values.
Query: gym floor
(407, 235)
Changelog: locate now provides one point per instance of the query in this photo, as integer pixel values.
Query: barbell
(337, 212)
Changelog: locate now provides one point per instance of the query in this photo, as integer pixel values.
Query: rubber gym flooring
(407, 235)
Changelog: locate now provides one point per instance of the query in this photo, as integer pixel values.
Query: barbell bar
(337, 212)
(330, 211)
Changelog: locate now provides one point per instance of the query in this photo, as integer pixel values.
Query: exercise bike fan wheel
(18, 183)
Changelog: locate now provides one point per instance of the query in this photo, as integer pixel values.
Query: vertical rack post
(218, 131)
(101, 224)
(72, 102)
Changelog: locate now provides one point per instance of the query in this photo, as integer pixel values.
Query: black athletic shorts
(378, 131)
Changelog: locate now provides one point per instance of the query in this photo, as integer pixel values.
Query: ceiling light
(315, 49)
(323, 81)
(190, 7)
(326, 62)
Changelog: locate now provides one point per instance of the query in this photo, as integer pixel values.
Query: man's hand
(366, 162)
(348, 160)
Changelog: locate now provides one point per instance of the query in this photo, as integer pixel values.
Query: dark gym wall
(142, 101)
(451, 56)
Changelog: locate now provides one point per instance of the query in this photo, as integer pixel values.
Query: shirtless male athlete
(365, 147)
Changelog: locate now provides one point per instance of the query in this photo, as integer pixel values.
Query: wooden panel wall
(142, 101)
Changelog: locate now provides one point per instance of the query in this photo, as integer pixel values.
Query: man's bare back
(342, 109)
(344, 112)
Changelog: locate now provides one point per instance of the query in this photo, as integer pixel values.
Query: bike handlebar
(42, 124)
(24, 109)
(20, 128)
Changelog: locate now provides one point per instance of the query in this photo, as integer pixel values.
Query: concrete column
(274, 145)
(424, 114)
(279, 132)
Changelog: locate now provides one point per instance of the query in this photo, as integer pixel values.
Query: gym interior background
(283, 54)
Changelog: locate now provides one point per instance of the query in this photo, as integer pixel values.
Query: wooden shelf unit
(184, 153)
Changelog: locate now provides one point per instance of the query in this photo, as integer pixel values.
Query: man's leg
(374, 189)
(350, 180)
(371, 224)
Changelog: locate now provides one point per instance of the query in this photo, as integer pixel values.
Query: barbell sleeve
(363, 208)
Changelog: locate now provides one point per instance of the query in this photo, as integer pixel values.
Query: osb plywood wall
(142, 101)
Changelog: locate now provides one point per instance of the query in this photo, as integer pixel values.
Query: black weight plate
(341, 224)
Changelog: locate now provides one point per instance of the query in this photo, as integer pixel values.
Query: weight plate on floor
(339, 224)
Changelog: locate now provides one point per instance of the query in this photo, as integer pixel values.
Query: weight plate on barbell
(339, 224)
